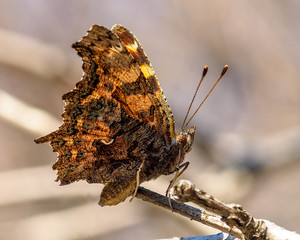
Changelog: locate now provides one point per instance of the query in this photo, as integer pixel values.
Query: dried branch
(229, 218)
(187, 211)
(232, 215)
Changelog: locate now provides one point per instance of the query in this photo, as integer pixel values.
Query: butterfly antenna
(205, 69)
(221, 76)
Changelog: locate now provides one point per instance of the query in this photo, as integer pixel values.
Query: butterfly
(118, 128)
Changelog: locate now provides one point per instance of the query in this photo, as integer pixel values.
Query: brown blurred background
(247, 147)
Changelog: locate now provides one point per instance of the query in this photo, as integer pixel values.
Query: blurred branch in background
(33, 120)
(269, 151)
(26, 53)
(58, 207)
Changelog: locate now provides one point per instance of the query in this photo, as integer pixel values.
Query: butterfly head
(186, 139)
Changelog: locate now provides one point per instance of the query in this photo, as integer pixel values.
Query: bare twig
(218, 236)
(187, 211)
(229, 218)
(232, 215)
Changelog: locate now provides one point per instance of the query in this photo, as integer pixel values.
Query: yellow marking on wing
(74, 154)
(69, 141)
(80, 122)
(146, 70)
(132, 47)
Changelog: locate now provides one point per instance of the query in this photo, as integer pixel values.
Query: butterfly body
(117, 121)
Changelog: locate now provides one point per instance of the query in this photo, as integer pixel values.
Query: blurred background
(247, 146)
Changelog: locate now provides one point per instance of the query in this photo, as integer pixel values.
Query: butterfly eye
(181, 139)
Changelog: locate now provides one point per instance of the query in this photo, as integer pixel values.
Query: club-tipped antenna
(205, 69)
(225, 68)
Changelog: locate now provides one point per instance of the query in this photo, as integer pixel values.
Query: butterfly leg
(179, 170)
(137, 179)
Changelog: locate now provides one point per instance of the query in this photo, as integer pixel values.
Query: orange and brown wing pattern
(127, 77)
(116, 117)
(134, 47)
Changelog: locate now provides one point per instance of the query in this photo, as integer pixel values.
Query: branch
(186, 211)
(228, 218)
